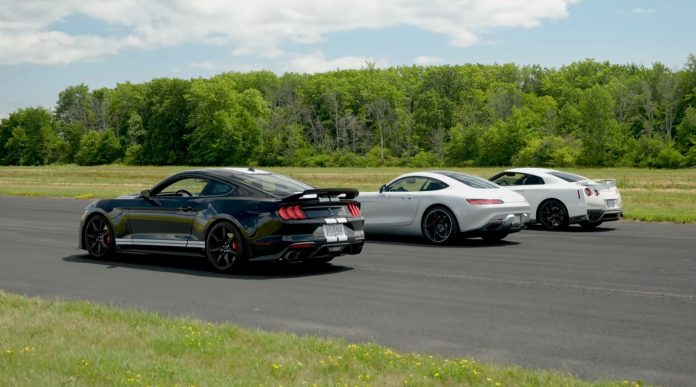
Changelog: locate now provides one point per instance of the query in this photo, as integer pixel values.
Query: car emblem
(331, 211)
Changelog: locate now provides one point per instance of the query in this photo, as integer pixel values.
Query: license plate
(334, 231)
(611, 203)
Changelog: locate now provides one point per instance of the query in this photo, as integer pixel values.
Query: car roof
(228, 171)
(531, 170)
(439, 175)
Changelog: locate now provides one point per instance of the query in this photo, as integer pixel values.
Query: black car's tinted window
(569, 177)
(216, 188)
(277, 185)
(184, 187)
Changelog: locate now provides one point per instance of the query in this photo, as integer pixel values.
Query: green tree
(225, 124)
(599, 132)
(165, 117)
(98, 148)
(31, 138)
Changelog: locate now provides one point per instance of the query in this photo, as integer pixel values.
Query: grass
(84, 344)
(649, 195)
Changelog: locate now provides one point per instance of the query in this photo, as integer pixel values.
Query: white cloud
(428, 60)
(256, 28)
(317, 62)
(642, 10)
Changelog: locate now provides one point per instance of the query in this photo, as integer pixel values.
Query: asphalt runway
(615, 303)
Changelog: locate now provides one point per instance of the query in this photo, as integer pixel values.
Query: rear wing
(610, 183)
(327, 194)
(602, 183)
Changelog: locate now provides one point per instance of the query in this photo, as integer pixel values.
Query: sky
(48, 45)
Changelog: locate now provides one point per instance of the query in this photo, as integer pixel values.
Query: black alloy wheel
(553, 215)
(98, 237)
(439, 225)
(224, 247)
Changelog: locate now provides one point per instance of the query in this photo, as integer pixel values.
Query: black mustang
(229, 215)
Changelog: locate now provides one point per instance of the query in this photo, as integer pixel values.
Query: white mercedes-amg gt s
(442, 205)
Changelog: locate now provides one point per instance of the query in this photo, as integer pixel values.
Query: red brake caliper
(233, 245)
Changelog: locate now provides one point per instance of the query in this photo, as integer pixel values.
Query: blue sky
(47, 45)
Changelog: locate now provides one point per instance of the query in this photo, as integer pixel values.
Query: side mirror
(381, 188)
(145, 193)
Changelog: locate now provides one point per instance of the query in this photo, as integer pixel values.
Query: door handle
(406, 197)
(186, 208)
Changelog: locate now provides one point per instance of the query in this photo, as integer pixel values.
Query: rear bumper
(598, 216)
(309, 250)
(308, 246)
(604, 215)
(506, 223)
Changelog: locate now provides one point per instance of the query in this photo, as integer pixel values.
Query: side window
(215, 188)
(189, 186)
(434, 185)
(510, 178)
(407, 184)
(532, 180)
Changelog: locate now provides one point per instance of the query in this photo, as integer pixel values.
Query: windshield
(471, 181)
(569, 177)
(277, 185)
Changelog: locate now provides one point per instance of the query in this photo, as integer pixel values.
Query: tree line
(587, 113)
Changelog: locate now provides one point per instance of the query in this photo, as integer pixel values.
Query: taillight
(293, 212)
(596, 192)
(588, 192)
(353, 208)
(484, 201)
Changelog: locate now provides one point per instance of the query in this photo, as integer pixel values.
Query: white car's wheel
(439, 225)
(553, 215)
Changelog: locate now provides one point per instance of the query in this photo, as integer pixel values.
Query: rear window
(569, 177)
(277, 185)
(471, 181)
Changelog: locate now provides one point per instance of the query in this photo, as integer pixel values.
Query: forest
(587, 113)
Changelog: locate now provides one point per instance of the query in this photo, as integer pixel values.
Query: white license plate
(611, 203)
(334, 231)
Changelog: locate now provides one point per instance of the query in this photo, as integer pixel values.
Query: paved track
(619, 302)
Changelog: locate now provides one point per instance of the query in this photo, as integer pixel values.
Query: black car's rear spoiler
(339, 193)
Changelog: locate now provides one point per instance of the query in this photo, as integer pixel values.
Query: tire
(439, 226)
(587, 225)
(494, 236)
(553, 215)
(98, 237)
(224, 247)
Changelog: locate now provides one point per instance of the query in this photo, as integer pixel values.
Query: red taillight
(293, 212)
(484, 201)
(353, 209)
(588, 192)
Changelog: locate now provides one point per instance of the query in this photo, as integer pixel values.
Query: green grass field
(649, 195)
(83, 344)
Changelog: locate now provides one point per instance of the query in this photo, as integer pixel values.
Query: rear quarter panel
(537, 194)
